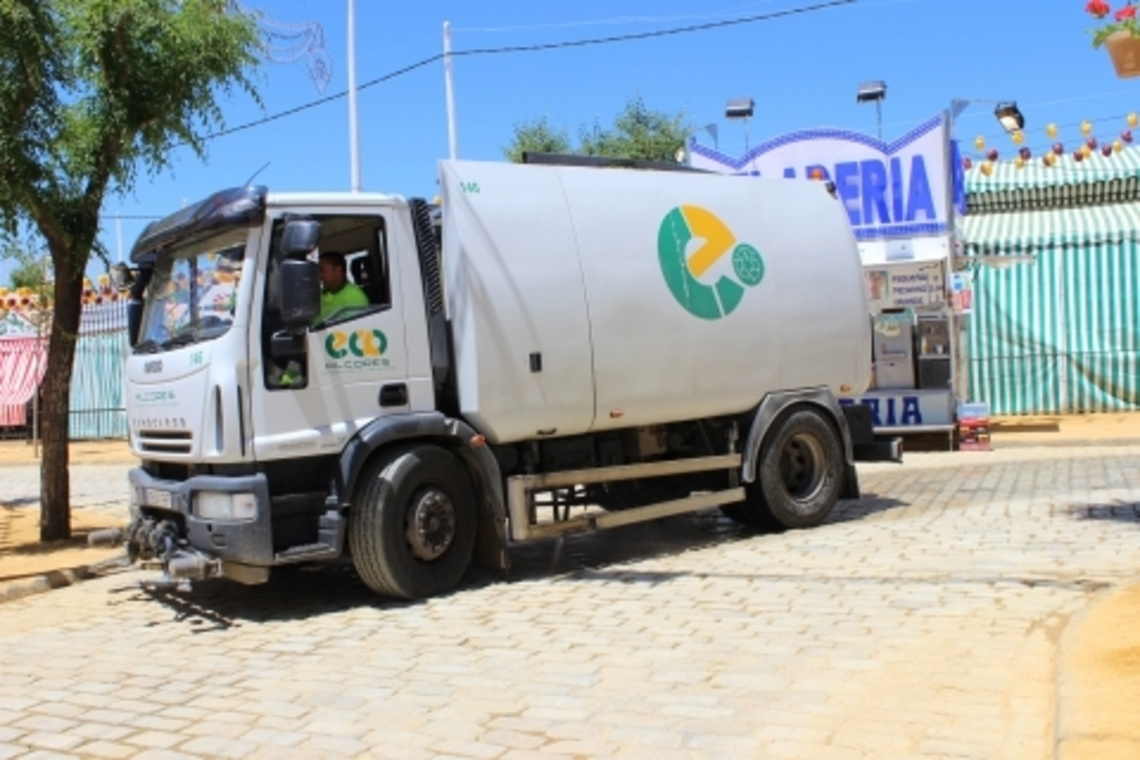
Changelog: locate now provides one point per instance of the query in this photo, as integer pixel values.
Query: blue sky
(802, 71)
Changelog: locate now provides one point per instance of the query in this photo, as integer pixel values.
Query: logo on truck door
(716, 249)
(360, 349)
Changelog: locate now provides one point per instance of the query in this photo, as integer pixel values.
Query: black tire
(799, 475)
(390, 555)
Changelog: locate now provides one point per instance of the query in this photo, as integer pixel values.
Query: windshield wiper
(183, 339)
(147, 347)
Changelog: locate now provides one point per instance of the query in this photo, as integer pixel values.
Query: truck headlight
(217, 505)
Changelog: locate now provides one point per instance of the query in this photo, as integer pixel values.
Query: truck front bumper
(171, 522)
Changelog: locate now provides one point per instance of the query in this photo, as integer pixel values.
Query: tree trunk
(55, 486)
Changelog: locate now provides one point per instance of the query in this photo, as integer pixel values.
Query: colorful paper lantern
(1018, 137)
(1086, 127)
(1133, 120)
(1051, 130)
(979, 142)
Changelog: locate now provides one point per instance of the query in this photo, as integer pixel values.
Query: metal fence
(98, 408)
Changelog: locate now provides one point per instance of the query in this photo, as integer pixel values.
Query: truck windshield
(192, 294)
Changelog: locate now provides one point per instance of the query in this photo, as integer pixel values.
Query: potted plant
(1121, 36)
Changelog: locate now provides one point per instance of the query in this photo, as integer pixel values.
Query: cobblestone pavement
(921, 621)
(101, 488)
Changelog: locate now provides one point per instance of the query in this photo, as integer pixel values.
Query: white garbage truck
(548, 349)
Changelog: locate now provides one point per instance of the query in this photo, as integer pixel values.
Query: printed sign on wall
(902, 286)
(896, 189)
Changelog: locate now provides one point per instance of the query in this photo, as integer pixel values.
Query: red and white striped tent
(23, 359)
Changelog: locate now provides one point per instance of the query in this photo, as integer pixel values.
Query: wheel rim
(431, 524)
(801, 467)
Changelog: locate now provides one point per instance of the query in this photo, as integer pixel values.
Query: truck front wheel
(412, 526)
(799, 475)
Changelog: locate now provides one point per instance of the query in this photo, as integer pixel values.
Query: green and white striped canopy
(1066, 171)
(1025, 231)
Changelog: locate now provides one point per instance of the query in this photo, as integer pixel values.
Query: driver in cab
(337, 292)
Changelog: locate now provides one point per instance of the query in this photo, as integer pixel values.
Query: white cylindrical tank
(585, 299)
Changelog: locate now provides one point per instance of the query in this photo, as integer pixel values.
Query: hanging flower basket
(1124, 48)
(1119, 33)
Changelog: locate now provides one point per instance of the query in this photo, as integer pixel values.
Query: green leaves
(93, 90)
(637, 132)
(536, 137)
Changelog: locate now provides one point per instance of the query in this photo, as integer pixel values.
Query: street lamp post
(741, 108)
(873, 92)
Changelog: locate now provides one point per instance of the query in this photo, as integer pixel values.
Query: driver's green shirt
(348, 296)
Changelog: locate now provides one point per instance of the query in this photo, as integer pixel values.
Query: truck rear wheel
(412, 526)
(799, 475)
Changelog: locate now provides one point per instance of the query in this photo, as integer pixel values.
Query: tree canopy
(31, 270)
(92, 92)
(638, 132)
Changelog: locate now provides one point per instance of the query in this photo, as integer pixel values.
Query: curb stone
(53, 579)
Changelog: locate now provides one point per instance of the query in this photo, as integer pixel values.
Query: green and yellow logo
(360, 349)
(683, 272)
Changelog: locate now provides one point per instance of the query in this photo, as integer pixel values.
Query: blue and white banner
(890, 190)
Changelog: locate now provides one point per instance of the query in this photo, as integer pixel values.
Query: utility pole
(119, 233)
(353, 131)
(452, 138)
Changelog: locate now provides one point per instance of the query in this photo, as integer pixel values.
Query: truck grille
(165, 441)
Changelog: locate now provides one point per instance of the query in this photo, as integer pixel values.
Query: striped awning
(1066, 171)
(1024, 231)
(1097, 179)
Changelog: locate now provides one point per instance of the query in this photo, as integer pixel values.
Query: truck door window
(361, 243)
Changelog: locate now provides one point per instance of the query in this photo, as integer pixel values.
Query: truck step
(307, 551)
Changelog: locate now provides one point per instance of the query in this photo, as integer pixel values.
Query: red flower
(1128, 11)
(1098, 8)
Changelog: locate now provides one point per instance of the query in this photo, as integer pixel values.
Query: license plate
(157, 498)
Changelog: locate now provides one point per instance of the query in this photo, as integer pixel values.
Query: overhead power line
(535, 48)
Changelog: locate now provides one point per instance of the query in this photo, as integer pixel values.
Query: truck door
(355, 366)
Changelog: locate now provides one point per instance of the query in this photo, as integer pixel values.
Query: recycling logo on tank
(700, 280)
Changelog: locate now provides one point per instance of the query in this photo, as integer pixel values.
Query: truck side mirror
(138, 284)
(134, 322)
(300, 294)
(299, 237)
(121, 276)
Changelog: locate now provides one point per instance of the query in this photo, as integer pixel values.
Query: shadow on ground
(1121, 511)
(300, 592)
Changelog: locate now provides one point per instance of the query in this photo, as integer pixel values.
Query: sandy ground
(21, 553)
(23, 556)
(1101, 682)
(82, 452)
